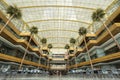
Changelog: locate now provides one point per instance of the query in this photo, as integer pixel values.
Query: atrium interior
(59, 39)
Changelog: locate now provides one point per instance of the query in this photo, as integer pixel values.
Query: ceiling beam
(65, 6)
(58, 47)
(88, 23)
(57, 37)
(58, 43)
(57, 30)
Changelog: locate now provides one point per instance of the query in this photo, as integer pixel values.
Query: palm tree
(39, 61)
(49, 47)
(39, 57)
(97, 16)
(72, 41)
(83, 32)
(14, 12)
(67, 47)
(43, 40)
(33, 30)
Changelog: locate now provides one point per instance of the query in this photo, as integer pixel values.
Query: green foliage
(67, 46)
(50, 46)
(34, 30)
(72, 40)
(43, 40)
(14, 10)
(1, 20)
(82, 31)
(98, 14)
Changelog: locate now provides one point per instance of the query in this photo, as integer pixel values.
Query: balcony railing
(63, 67)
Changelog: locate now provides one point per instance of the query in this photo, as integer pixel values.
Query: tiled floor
(55, 77)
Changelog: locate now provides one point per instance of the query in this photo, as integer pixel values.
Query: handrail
(15, 59)
(100, 59)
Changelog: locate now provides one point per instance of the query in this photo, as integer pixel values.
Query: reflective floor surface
(59, 77)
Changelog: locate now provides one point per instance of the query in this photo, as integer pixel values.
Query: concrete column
(86, 57)
(112, 69)
(100, 52)
(75, 60)
(118, 39)
(104, 69)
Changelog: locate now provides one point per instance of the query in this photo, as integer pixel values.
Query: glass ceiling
(59, 20)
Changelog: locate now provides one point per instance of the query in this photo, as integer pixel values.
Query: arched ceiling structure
(59, 20)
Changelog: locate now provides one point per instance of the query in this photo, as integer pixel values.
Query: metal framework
(77, 15)
(24, 7)
(59, 20)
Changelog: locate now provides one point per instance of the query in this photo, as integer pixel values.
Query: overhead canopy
(59, 20)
